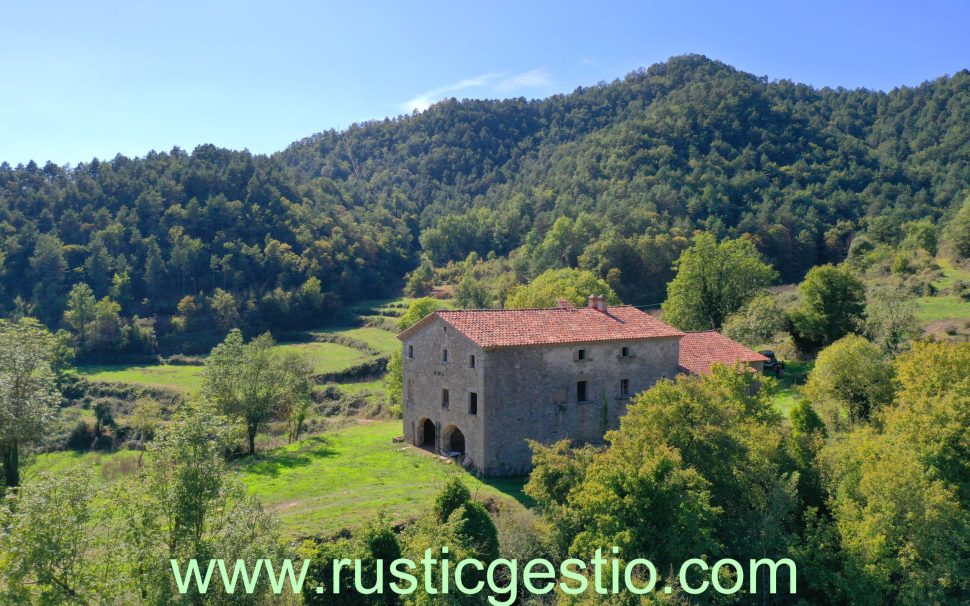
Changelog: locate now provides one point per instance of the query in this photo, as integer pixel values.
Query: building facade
(480, 384)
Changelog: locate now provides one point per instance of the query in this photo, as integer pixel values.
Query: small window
(581, 354)
(624, 388)
(625, 352)
(472, 403)
(410, 351)
(444, 355)
(471, 361)
(581, 391)
(410, 389)
(444, 398)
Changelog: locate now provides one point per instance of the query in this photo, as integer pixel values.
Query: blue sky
(86, 79)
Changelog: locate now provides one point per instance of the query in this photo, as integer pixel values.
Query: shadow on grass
(274, 462)
(511, 487)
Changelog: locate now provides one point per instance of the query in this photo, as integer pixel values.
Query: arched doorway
(454, 440)
(427, 437)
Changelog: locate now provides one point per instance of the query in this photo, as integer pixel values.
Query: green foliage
(79, 543)
(548, 288)
(757, 322)
(254, 383)
(891, 318)
(375, 542)
(393, 382)
(958, 231)
(713, 281)
(420, 281)
(417, 310)
(832, 305)
(453, 495)
(698, 465)
(28, 391)
(851, 381)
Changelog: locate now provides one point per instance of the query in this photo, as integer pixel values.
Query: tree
(107, 329)
(223, 306)
(851, 380)
(471, 293)
(66, 541)
(393, 381)
(296, 399)
(553, 285)
(55, 548)
(80, 311)
(28, 392)
(420, 281)
(252, 382)
(958, 231)
(903, 533)
(891, 318)
(757, 322)
(417, 310)
(713, 281)
(832, 305)
(48, 270)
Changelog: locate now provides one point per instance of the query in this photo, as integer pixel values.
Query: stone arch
(426, 437)
(453, 440)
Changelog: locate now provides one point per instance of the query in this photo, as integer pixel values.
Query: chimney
(597, 302)
(563, 304)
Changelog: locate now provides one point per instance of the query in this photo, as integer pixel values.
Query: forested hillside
(613, 178)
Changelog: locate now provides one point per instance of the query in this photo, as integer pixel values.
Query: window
(581, 391)
(410, 389)
(444, 355)
(625, 352)
(444, 398)
(471, 361)
(472, 403)
(624, 388)
(410, 351)
(581, 354)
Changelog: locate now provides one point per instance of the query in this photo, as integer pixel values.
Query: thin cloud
(492, 83)
(424, 100)
(535, 78)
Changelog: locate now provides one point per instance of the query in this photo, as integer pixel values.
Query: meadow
(324, 356)
(325, 482)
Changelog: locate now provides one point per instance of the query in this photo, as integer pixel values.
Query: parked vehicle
(773, 366)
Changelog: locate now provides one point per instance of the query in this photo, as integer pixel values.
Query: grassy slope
(340, 479)
(325, 482)
(945, 307)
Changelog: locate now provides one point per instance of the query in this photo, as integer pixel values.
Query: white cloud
(535, 78)
(492, 83)
(424, 100)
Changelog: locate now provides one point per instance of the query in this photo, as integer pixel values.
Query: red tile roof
(494, 328)
(701, 350)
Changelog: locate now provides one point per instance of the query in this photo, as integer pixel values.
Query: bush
(851, 380)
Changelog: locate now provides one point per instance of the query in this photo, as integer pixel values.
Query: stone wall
(523, 393)
(425, 375)
(532, 394)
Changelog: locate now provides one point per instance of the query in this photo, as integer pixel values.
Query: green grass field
(343, 478)
(185, 379)
(789, 386)
(943, 307)
(325, 357)
(382, 340)
(326, 482)
(946, 306)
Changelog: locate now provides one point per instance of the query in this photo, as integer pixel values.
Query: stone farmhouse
(479, 383)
